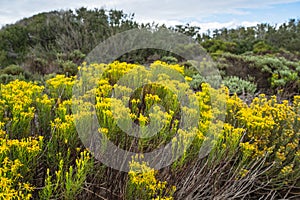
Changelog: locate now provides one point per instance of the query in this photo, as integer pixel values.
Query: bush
(68, 68)
(255, 150)
(261, 48)
(13, 70)
(196, 82)
(6, 78)
(169, 59)
(239, 86)
(270, 73)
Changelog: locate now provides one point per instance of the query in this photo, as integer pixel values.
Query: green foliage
(14, 43)
(197, 81)
(69, 68)
(6, 78)
(261, 47)
(13, 72)
(239, 86)
(219, 46)
(169, 59)
(270, 72)
(284, 36)
(72, 32)
(282, 73)
(67, 184)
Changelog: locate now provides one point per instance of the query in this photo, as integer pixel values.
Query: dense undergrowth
(255, 146)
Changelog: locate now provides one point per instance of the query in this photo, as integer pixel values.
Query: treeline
(68, 34)
(257, 38)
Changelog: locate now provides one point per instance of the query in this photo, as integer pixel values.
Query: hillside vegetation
(251, 122)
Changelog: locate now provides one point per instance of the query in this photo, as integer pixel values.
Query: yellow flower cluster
(17, 99)
(11, 185)
(270, 127)
(18, 152)
(60, 86)
(27, 112)
(114, 71)
(143, 183)
(176, 67)
(14, 168)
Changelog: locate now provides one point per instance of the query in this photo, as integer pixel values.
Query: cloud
(205, 26)
(175, 10)
(170, 11)
(218, 25)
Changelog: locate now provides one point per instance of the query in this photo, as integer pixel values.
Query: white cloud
(176, 10)
(208, 25)
(217, 25)
(170, 11)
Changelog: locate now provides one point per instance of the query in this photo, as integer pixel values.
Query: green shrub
(261, 47)
(239, 86)
(6, 78)
(169, 59)
(13, 70)
(69, 68)
(197, 81)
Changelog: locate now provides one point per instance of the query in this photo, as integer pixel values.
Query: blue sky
(206, 14)
(277, 13)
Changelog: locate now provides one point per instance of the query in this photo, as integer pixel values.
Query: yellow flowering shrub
(268, 122)
(143, 184)
(17, 158)
(11, 184)
(115, 70)
(272, 132)
(44, 107)
(177, 67)
(60, 87)
(17, 98)
(256, 142)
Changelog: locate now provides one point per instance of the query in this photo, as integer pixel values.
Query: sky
(210, 14)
